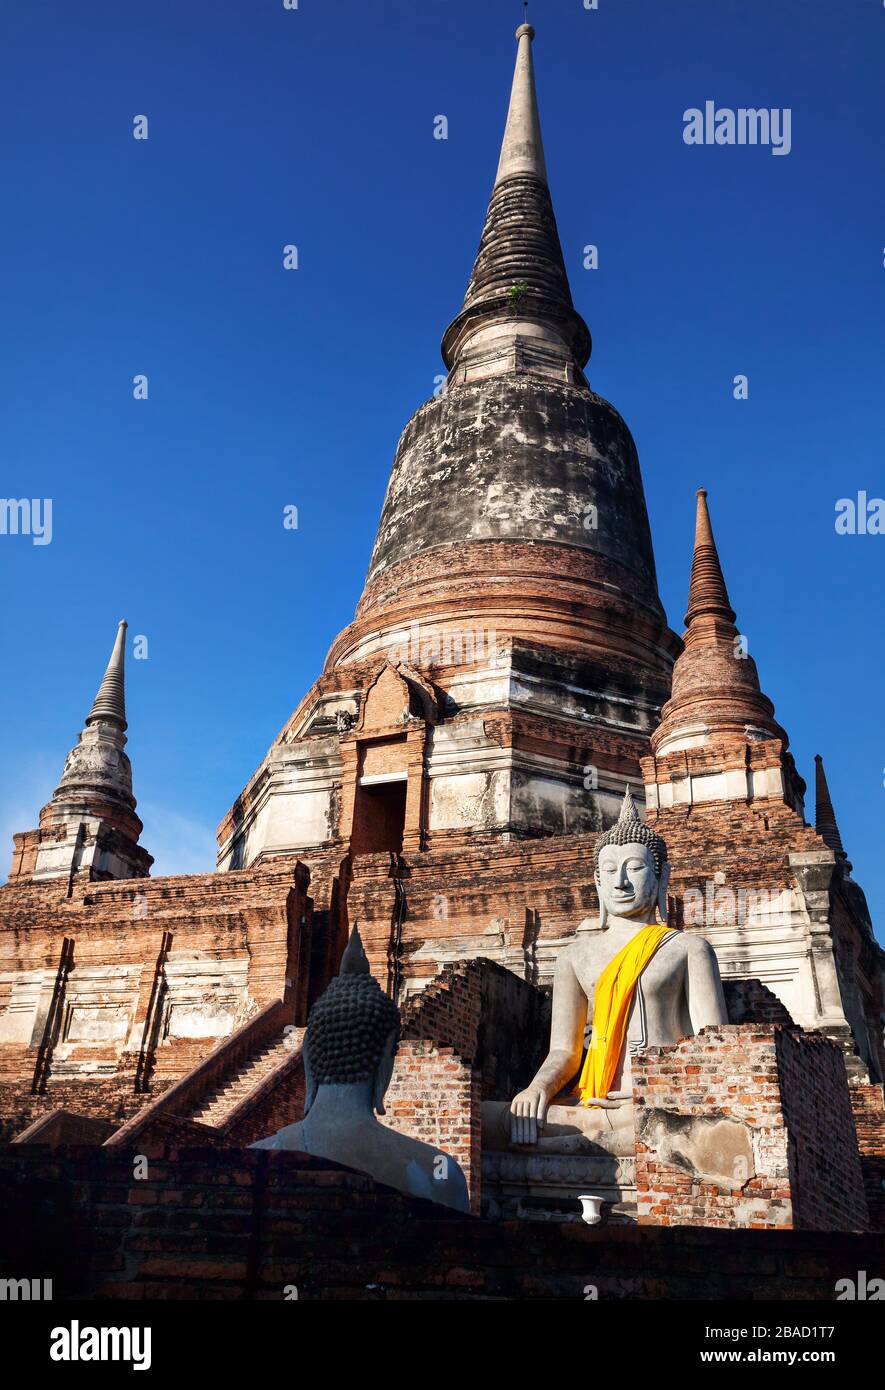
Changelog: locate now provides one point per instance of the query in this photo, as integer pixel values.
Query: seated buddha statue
(349, 1050)
(642, 983)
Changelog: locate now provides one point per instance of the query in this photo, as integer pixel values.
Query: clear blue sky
(267, 388)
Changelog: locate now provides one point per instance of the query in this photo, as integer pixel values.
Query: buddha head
(352, 1032)
(632, 872)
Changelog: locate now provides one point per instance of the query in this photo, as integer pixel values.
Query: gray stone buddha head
(353, 1031)
(349, 1052)
(632, 871)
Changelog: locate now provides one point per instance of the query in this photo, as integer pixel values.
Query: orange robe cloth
(611, 1012)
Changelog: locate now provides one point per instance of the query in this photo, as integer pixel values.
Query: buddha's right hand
(528, 1112)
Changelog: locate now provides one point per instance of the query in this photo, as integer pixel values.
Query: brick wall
(825, 1171)
(436, 1090)
(112, 1098)
(476, 1032)
(232, 1224)
(750, 1001)
(490, 1017)
(868, 1106)
(435, 1096)
(261, 919)
(750, 842)
(473, 900)
(448, 1010)
(746, 1125)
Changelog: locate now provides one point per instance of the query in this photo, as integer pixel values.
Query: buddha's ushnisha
(350, 1025)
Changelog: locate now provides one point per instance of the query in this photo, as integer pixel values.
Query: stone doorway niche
(379, 815)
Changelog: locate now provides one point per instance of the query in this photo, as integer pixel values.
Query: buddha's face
(628, 882)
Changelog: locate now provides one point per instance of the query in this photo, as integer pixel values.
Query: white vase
(591, 1208)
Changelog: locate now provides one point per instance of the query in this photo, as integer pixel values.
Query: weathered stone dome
(518, 457)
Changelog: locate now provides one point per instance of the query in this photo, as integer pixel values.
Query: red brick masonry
(794, 1160)
(233, 1224)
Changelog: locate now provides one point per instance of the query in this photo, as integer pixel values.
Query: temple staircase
(216, 1107)
(227, 1095)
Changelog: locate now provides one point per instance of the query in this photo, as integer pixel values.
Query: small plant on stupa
(517, 291)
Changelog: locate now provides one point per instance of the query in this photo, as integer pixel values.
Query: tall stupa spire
(716, 686)
(522, 151)
(110, 702)
(824, 815)
(90, 822)
(707, 594)
(518, 313)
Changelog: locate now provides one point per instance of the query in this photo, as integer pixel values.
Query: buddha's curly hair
(630, 830)
(347, 1029)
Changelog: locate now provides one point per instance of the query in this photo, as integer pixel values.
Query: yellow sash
(611, 1011)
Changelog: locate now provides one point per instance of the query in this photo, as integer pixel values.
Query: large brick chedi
(511, 593)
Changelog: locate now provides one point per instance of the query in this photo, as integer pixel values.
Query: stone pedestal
(581, 1152)
(543, 1186)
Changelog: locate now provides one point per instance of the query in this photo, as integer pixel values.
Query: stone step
(215, 1107)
